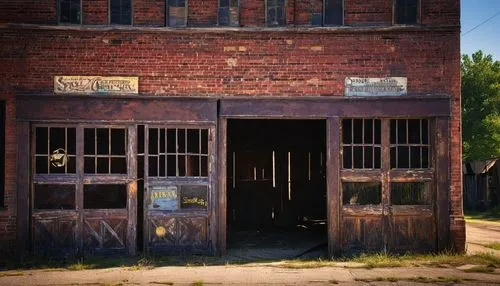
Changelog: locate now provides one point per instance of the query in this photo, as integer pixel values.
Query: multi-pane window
(120, 12)
(334, 12)
(177, 13)
(55, 150)
(406, 12)
(414, 193)
(54, 197)
(410, 145)
(275, 15)
(178, 152)
(361, 143)
(105, 151)
(229, 12)
(369, 193)
(69, 11)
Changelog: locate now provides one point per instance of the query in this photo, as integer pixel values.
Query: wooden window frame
(131, 14)
(418, 16)
(167, 15)
(219, 7)
(266, 8)
(324, 15)
(68, 23)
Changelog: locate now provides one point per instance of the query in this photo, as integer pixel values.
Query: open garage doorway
(276, 188)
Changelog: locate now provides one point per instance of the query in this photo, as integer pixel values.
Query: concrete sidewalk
(248, 275)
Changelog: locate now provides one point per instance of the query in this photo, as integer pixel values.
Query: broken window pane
(69, 11)
(361, 143)
(409, 143)
(105, 196)
(406, 12)
(55, 150)
(54, 197)
(105, 151)
(410, 193)
(361, 193)
(334, 12)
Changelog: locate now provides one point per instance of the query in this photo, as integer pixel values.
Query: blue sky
(487, 36)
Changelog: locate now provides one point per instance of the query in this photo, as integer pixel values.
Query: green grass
(492, 215)
(11, 274)
(494, 245)
(482, 269)
(198, 283)
(419, 279)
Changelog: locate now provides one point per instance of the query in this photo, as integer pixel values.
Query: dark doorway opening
(276, 188)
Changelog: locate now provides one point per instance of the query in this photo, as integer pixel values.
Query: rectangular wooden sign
(194, 197)
(96, 85)
(163, 197)
(389, 86)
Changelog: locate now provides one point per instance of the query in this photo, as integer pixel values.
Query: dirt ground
(271, 273)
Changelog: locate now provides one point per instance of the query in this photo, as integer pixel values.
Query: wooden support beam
(214, 196)
(386, 184)
(442, 183)
(333, 185)
(222, 184)
(23, 189)
(132, 189)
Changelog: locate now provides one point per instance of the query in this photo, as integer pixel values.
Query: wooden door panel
(54, 234)
(105, 233)
(411, 233)
(192, 231)
(162, 231)
(362, 233)
(177, 233)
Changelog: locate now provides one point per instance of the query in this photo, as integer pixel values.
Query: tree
(480, 106)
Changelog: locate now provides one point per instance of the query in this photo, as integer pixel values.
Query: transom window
(55, 150)
(406, 12)
(410, 143)
(105, 151)
(69, 11)
(120, 12)
(361, 143)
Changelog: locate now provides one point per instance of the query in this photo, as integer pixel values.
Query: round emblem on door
(160, 231)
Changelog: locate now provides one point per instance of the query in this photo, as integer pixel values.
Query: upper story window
(229, 12)
(334, 13)
(69, 11)
(275, 12)
(406, 12)
(177, 13)
(120, 12)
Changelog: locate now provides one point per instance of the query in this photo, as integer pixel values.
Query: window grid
(176, 13)
(186, 161)
(228, 12)
(70, 11)
(406, 12)
(351, 149)
(275, 12)
(398, 148)
(120, 12)
(44, 156)
(108, 156)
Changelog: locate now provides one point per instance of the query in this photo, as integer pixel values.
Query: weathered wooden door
(83, 189)
(179, 200)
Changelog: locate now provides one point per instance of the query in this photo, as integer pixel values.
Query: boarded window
(120, 12)
(177, 13)
(229, 13)
(406, 12)
(54, 197)
(361, 139)
(178, 152)
(55, 150)
(334, 13)
(275, 12)
(361, 193)
(410, 145)
(105, 196)
(69, 11)
(2, 153)
(105, 151)
(416, 193)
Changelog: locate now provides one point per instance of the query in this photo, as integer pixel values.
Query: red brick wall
(361, 12)
(252, 13)
(8, 214)
(95, 12)
(149, 12)
(28, 11)
(202, 12)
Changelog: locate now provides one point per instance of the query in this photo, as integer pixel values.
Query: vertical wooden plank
(222, 181)
(132, 189)
(387, 227)
(212, 177)
(145, 218)
(333, 185)
(79, 228)
(442, 182)
(23, 188)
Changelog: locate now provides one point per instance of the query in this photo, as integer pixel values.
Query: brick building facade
(203, 67)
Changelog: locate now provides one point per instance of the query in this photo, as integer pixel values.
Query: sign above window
(389, 86)
(96, 85)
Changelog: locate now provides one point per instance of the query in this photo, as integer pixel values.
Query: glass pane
(358, 131)
(333, 12)
(358, 157)
(102, 165)
(204, 166)
(71, 144)
(102, 141)
(378, 158)
(194, 197)
(153, 166)
(182, 166)
(140, 139)
(368, 132)
(361, 193)
(171, 166)
(193, 138)
(193, 166)
(153, 141)
(425, 157)
(54, 197)
(414, 131)
(409, 194)
(425, 131)
(378, 131)
(89, 165)
(393, 158)
(42, 165)
(402, 132)
(57, 139)
(403, 157)
(89, 141)
(162, 140)
(105, 196)
(347, 157)
(42, 140)
(118, 142)
(415, 159)
(393, 131)
(204, 141)
(161, 164)
(118, 166)
(71, 164)
(181, 140)
(347, 131)
(368, 157)
(171, 141)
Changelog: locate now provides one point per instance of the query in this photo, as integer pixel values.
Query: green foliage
(480, 106)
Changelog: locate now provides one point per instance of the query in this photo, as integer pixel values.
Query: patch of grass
(482, 269)
(494, 245)
(80, 265)
(492, 215)
(11, 274)
(198, 283)
(419, 279)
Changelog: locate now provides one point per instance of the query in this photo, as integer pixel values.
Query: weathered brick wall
(204, 13)
(8, 213)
